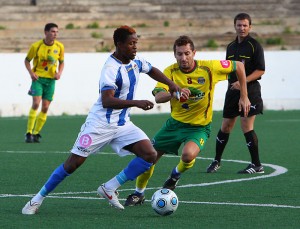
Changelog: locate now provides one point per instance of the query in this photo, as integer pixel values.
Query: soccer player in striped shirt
(108, 122)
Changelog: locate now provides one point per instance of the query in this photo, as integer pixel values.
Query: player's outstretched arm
(157, 75)
(244, 102)
(109, 101)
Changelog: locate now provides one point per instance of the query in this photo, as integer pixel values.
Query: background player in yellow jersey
(191, 116)
(48, 63)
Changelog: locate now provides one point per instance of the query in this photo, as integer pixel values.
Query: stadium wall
(77, 90)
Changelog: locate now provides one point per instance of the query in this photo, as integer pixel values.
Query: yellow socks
(40, 121)
(142, 180)
(182, 166)
(31, 120)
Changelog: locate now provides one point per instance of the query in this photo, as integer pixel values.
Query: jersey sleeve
(259, 59)
(109, 78)
(143, 65)
(222, 68)
(31, 53)
(62, 53)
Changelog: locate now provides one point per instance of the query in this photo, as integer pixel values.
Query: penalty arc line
(278, 170)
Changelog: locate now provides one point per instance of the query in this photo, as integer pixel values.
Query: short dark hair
(49, 26)
(121, 34)
(183, 40)
(242, 16)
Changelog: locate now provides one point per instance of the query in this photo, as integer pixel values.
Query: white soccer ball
(164, 202)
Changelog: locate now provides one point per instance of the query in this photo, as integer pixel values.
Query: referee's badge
(201, 80)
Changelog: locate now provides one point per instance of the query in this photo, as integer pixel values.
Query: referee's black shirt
(249, 52)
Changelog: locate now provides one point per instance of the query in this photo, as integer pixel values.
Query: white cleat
(31, 208)
(111, 196)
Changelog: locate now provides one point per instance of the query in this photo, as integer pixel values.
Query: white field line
(278, 170)
(181, 201)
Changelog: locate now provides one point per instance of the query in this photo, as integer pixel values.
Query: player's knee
(187, 158)
(73, 163)
(35, 106)
(150, 156)
(226, 128)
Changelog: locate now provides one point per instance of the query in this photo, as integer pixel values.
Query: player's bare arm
(109, 101)
(244, 102)
(252, 77)
(33, 76)
(157, 75)
(60, 70)
(163, 96)
(255, 75)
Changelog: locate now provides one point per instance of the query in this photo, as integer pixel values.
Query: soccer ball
(164, 202)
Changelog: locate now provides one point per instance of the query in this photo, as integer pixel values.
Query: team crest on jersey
(55, 51)
(201, 80)
(134, 66)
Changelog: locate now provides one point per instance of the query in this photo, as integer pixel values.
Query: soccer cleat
(171, 182)
(134, 199)
(251, 168)
(111, 196)
(31, 208)
(213, 167)
(28, 138)
(36, 138)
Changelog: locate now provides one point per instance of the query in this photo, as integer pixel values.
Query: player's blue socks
(135, 168)
(175, 173)
(138, 193)
(56, 177)
(121, 177)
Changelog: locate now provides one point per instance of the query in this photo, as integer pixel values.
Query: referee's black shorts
(231, 107)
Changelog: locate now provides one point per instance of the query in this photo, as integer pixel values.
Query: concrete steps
(24, 21)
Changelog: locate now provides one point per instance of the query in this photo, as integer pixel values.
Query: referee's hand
(244, 105)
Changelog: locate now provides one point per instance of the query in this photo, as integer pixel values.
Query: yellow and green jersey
(45, 58)
(197, 110)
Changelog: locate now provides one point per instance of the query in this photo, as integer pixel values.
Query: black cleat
(36, 138)
(28, 138)
(213, 167)
(134, 199)
(171, 182)
(251, 168)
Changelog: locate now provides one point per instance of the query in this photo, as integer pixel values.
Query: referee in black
(247, 50)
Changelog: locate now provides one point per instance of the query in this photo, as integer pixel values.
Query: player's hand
(144, 104)
(175, 90)
(34, 77)
(184, 94)
(57, 76)
(244, 104)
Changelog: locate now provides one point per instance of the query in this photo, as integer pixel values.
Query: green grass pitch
(221, 200)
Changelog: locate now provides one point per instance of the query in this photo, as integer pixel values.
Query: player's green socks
(41, 119)
(31, 120)
(142, 180)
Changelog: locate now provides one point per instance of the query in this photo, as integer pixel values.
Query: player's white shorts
(94, 136)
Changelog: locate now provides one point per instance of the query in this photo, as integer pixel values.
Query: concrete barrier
(77, 90)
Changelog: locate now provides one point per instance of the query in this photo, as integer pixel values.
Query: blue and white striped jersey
(123, 78)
